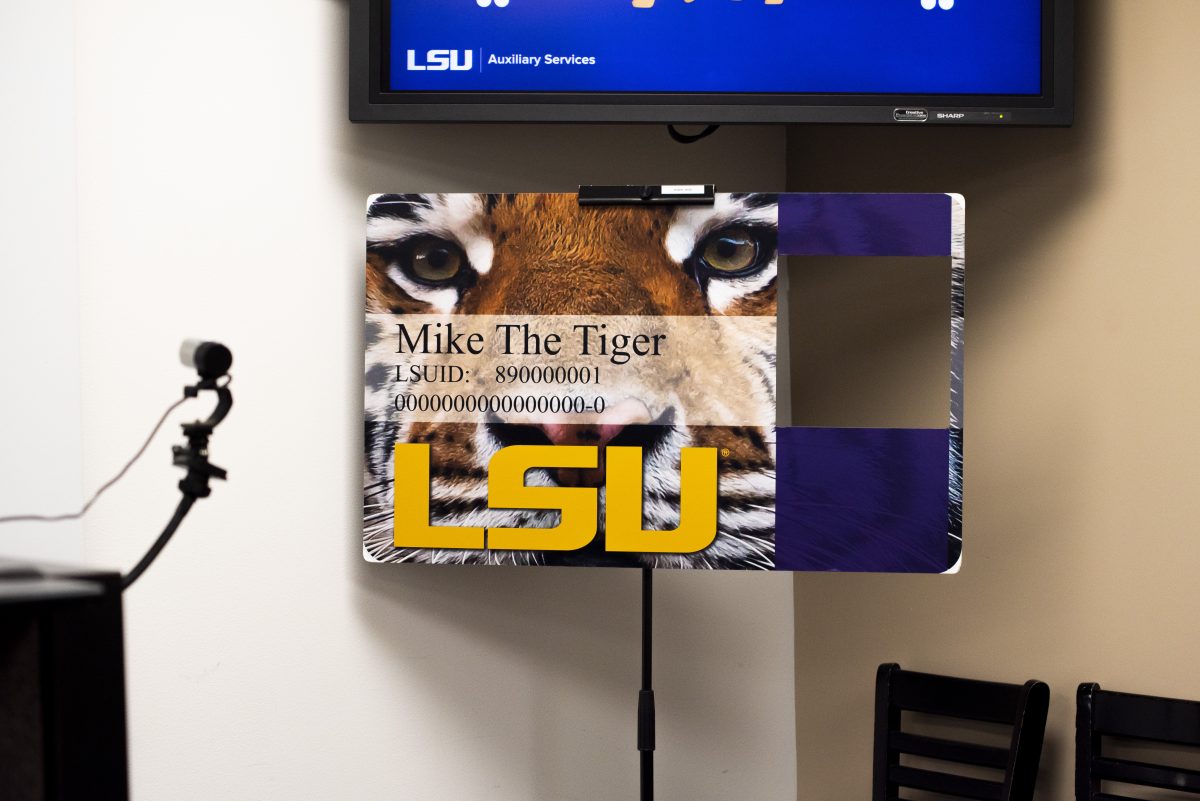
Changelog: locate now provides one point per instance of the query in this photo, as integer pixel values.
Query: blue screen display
(916, 47)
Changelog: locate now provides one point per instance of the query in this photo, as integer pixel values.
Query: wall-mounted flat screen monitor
(909, 62)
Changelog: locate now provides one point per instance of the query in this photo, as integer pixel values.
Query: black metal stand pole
(193, 457)
(645, 742)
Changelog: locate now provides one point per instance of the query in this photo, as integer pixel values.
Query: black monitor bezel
(369, 102)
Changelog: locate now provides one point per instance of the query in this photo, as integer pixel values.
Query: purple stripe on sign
(862, 499)
(864, 225)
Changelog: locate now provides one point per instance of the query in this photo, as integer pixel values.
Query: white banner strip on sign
(571, 369)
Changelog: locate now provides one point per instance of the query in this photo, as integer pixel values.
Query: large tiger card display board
(555, 384)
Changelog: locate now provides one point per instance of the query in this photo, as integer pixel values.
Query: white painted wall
(221, 195)
(40, 452)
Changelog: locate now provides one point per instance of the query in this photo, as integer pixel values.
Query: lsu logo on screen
(442, 60)
(579, 506)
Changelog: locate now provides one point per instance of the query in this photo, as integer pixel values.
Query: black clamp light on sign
(648, 195)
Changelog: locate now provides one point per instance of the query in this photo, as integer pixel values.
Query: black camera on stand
(212, 361)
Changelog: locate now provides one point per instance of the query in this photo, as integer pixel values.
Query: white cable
(107, 484)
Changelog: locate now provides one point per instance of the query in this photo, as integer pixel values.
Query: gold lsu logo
(579, 506)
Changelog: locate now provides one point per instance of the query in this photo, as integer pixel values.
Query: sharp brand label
(579, 506)
(442, 60)
(947, 115)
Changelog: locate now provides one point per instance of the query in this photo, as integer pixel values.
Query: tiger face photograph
(705, 274)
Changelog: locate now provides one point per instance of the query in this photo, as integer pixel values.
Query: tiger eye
(436, 261)
(731, 251)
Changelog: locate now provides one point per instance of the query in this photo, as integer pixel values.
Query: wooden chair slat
(1148, 717)
(946, 783)
(1146, 774)
(986, 756)
(985, 701)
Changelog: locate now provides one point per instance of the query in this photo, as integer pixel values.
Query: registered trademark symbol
(724, 452)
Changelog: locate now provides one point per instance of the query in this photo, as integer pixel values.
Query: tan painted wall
(1082, 396)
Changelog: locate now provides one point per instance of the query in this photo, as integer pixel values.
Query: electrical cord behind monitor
(687, 139)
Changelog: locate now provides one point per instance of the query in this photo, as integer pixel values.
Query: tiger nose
(598, 433)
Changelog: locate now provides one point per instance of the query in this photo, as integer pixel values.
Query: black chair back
(1021, 706)
(1146, 718)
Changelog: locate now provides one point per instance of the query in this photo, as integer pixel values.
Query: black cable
(687, 139)
(185, 505)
